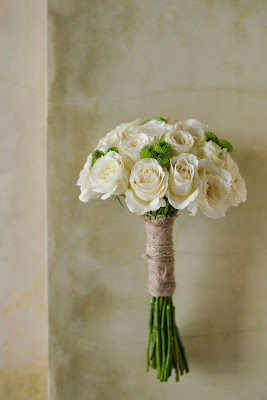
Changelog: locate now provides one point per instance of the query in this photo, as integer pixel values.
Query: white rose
(109, 175)
(180, 141)
(85, 183)
(194, 127)
(111, 139)
(153, 128)
(210, 150)
(130, 148)
(214, 190)
(148, 185)
(172, 121)
(183, 181)
(239, 190)
(114, 137)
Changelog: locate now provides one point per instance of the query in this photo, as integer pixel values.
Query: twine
(160, 256)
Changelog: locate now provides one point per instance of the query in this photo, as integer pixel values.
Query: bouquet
(160, 167)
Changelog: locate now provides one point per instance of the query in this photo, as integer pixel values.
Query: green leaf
(119, 200)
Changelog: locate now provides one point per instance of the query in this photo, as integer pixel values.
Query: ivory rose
(85, 183)
(172, 120)
(183, 180)
(148, 185)
(114, 137)
(180, 141)
(194, 127)
(214, 190)
(131, 146)
(109, 175)
(239, 191)
(208, 149)
(153, 128)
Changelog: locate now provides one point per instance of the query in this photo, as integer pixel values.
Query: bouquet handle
(165, 350)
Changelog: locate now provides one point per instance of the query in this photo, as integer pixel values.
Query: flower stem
(182, 350)
(176, 346)
(166, 207)
(169, 352)
(164, 349)
(158, 350)
(163, 334)
(150, 326)
(153, 354)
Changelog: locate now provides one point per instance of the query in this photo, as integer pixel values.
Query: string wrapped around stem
(164, 350)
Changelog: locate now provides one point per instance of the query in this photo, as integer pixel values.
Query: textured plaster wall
(23, 300)
(112, 61)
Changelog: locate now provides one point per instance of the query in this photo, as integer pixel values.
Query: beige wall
(112, 61)
(23, 300)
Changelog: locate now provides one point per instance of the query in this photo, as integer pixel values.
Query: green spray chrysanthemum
(112, 149)
(226, 145)
(162, 147)
(163, 159)
(96, 155)
(160, 119)
(148, 152)
(211, 136)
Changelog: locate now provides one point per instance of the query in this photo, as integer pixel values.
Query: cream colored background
(112, 61)
(23, 300)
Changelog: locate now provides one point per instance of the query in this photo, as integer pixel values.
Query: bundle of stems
(164, 346)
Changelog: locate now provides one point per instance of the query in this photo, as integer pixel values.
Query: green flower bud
(148, 152)
(162, 147)
(112, 149)
(211, 136)
(97, 154)
(163, 159)
(223, 143)
(160, 119)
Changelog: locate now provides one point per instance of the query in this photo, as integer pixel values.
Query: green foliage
(119, 200)
(148, 152)
(168, 210)
(223, 143)
(147, 121)
(162, 147)
(163, 159)
(96, 155)
(160, 119)
(112, 149)
(211, 136)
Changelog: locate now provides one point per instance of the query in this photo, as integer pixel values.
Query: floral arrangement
(162, 166)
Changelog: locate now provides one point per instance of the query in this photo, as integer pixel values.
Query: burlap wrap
(160, 256)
